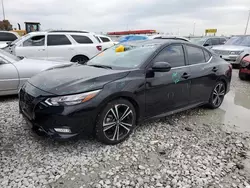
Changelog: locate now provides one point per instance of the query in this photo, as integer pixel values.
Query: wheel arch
(224, 80)
(79, 55)
(122, 95)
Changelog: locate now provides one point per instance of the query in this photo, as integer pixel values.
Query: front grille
(222, 52)
(26, 103)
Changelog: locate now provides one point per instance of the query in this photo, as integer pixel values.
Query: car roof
(154, 42)
(61, 32)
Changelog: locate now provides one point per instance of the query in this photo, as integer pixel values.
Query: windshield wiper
(101, 66)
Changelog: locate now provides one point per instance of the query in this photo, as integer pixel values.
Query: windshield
(131, 57)
(239, 41)
(132, 38)
(9, 56)
(199, 41)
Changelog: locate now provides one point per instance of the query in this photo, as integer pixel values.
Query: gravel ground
(177, 151)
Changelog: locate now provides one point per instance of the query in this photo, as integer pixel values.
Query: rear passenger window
(82, 39)
(195, 55)
(56, 40)
(172, 54)
(222, 40)
(215, 41)
(105, 39)
(207, 55)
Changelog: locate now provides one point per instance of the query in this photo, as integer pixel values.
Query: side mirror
(205, 44)
(161, 67)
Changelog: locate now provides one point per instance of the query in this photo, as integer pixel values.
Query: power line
(3, 11)
(247, 22)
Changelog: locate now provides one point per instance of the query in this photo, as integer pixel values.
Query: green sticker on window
(175, 77)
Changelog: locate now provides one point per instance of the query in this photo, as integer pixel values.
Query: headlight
(71, 99)
(235, 52)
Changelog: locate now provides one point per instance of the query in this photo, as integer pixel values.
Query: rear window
(105, 39)
(56, 40)
(7, 36)
(82, 39)
(129, 57)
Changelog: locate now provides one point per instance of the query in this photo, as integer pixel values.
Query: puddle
(234, 112)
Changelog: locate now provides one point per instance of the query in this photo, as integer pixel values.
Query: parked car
(15, 71)
(244, 72)
(115, 90)
(7, 36)
(105, 39)
(236, 46)
(127, 38)
(209, 42)
(75, 46)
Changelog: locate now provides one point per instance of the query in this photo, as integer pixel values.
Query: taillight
(99, 48)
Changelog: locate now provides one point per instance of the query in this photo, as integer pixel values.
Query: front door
(167, 91)
(33, 47)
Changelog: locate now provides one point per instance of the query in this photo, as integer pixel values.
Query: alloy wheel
(118, 122)
(218, 94)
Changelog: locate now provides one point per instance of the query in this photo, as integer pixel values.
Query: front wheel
(217, 95)
(80, 59)
(116, 122)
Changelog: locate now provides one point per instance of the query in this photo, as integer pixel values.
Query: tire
(242, 76)
(217, 96)
(81, 59)
(115, 131)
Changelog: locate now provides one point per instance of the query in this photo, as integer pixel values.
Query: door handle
(41, 49)
(185, 75)
(214, 69)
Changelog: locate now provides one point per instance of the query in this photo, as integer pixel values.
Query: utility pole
(247, 22)
(3, 11)
(194, 29)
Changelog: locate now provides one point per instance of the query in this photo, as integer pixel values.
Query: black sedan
(123, 85)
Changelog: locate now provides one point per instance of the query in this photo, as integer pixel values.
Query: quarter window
(82, 39)
(207, 55)
(105, 39)
(195, 55)
(7, 36)
(56, 40)
(173, 54)
(35, 41)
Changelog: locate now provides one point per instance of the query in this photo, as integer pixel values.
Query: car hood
(230, 48)
(75, 79)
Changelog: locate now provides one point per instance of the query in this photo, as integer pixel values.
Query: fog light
(62, 130)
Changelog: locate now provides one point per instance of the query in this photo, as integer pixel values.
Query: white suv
(75, 46)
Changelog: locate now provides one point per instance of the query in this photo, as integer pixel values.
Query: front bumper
(45, 119)
(231, 58)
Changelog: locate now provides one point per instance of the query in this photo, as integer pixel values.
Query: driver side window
(173, 54)
(208, 42)
(35, 41)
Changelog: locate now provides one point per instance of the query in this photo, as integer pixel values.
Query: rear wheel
(217, 95)
(80, 59)
(116, 122)
(242, 76)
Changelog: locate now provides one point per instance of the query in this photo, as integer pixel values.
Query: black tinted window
(222, 40)
(82, 39)
(195, 55)
(172, 54)
(207, 55)
(54, 40)
(7, 36)
(215, 41)
(105, 39)
(35, 41)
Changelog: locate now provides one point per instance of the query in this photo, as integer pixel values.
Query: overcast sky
(169, 16)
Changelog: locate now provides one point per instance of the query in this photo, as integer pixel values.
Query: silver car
(14, 71)
(235, 47)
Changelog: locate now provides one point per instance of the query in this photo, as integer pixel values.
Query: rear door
(59, 47)
(203, 73)
(9, 79)
(167, 91)
(32, 47)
